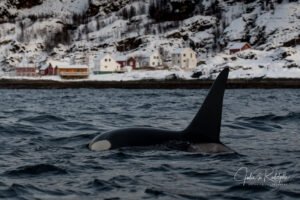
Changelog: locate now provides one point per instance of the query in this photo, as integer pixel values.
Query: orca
(202, 135)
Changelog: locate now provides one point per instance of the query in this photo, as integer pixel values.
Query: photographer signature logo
(261, 176)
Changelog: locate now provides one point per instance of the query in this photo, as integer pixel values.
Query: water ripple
(44, 137)
(39, 169)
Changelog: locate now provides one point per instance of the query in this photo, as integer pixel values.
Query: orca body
(202, 135)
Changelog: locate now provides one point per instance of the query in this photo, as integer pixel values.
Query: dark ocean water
(44, 155)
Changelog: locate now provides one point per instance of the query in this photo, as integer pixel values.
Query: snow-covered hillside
(63, 29)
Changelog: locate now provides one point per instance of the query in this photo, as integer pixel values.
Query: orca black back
(205, 127)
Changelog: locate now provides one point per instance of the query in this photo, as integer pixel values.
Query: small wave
(258, 118)
(17, 128)
(198, 174)
(76, 138)
(43, 119)
(121, 179)
(253, 188)
(144, 106)
(77, 126)
(289, 193)
(15, 111)
(273, 117)
(179, 94)
(162, 168)
(118, 155)
(144, 95)
(289, 116)
(262, 126)
(28, 191)
(36, 170)
(102, 185)
(11, 192)
(155, 192)
(116, 182)
(234, 126)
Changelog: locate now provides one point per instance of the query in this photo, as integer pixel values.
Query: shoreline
(268, 83)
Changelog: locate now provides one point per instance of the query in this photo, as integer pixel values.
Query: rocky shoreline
(149, 84)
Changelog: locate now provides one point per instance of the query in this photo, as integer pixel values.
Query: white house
(105, 63)
(155, 59)
(184, 58)
(149, 59)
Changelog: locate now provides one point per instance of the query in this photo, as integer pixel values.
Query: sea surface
(44, 136)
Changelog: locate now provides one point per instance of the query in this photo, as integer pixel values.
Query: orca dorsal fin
(206, 125)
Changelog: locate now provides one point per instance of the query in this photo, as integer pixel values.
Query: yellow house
(73, 71)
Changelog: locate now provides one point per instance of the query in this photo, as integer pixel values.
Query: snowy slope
(65, 29)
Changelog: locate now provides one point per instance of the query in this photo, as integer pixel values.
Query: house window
(109, 60)
(105, 60)
(183, 55)
(153, 63)
(105, 67)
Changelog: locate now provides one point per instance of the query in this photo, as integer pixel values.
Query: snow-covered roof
(101, 55)
(55, 63)
(73, 67)
(120, 57)
(237, 45)
(146, 53)
(28, 65)
(45, 66)
(179, 50)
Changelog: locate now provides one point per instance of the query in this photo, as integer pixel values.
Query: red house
(126, 61)
(238, 46)
(131, 62)
(48, 70)
(26, 70)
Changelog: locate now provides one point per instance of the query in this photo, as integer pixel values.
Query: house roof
(28, 65)
(73, 67)
(45, 66)
(145, 53)
(100, 56)
(55, 63)
(179, 50)
(120, 57)
(237, 45)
